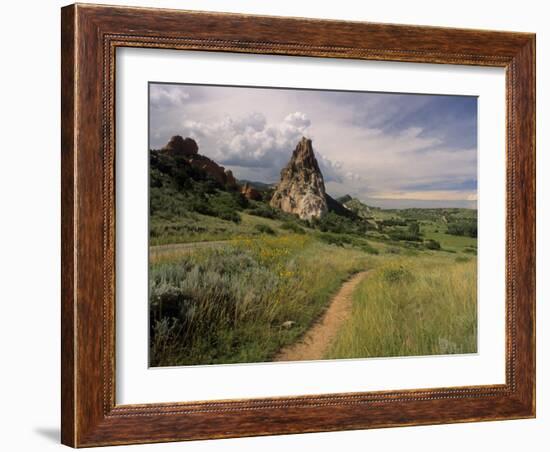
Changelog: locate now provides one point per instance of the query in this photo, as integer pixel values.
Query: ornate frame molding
(90, 37)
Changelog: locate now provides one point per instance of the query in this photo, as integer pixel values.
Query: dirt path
(317, 340)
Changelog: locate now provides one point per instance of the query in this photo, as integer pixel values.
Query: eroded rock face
(302, 188)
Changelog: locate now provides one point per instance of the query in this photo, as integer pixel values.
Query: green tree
(414, 228)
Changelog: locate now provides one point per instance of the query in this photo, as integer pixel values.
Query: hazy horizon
(388, 150)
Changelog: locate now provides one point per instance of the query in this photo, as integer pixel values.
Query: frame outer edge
(68, 230)
(526, 219)
(86, 420)
(534, 226)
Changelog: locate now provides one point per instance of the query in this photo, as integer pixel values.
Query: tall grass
(228, 304)
(410, 307)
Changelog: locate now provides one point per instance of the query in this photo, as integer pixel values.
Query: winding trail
(316, 341)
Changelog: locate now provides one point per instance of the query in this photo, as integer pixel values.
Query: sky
(388, 150)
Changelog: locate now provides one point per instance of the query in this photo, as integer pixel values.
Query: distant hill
(336, 206)
(445, 214)
(356, 206)
(260, 186)
(344, 199)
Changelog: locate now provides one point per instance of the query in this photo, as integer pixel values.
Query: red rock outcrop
(180, 146)
(250, 192)
(188, 149)
(231, 182)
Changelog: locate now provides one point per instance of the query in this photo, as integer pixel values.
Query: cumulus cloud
(297, 120)
(251, 142)
(167, 96)
(332, 170)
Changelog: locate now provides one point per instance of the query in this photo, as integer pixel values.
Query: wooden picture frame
(90, 36)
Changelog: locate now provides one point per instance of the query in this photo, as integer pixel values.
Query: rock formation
(301, 190)
(181, 147)
(187, 150)
(230, 180)
(250, 192)
(210, 167)
(356, 206)
(339, 208)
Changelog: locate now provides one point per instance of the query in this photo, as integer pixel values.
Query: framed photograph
(281, 225)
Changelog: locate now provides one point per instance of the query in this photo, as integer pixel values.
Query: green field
(234, 280)
(203, 228)
(414, 306)
(452, 242)
(226, 304)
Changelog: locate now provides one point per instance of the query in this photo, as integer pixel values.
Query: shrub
(201, 206)
(263, 211)
(239, 199)
(334, 239)
(404, 235)
(462, 259)
(332, 222)
(464, 228)
(393, 222)
(395, 274)
(367, 248)
(432, 244)
(229, 216)
(264, 229)
(414, 228)
(228, 201)
(344, 239)
(165, 337)
(289, 226)
(393, 250)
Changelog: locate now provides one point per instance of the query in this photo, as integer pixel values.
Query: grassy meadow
(412, 306)
(233, 280)
(227, 304)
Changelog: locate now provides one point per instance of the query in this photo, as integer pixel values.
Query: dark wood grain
(67, 226)
(90, 36)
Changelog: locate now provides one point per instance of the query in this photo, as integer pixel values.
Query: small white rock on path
(317, 340)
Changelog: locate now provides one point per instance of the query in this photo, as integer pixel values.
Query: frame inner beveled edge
(110, 43)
